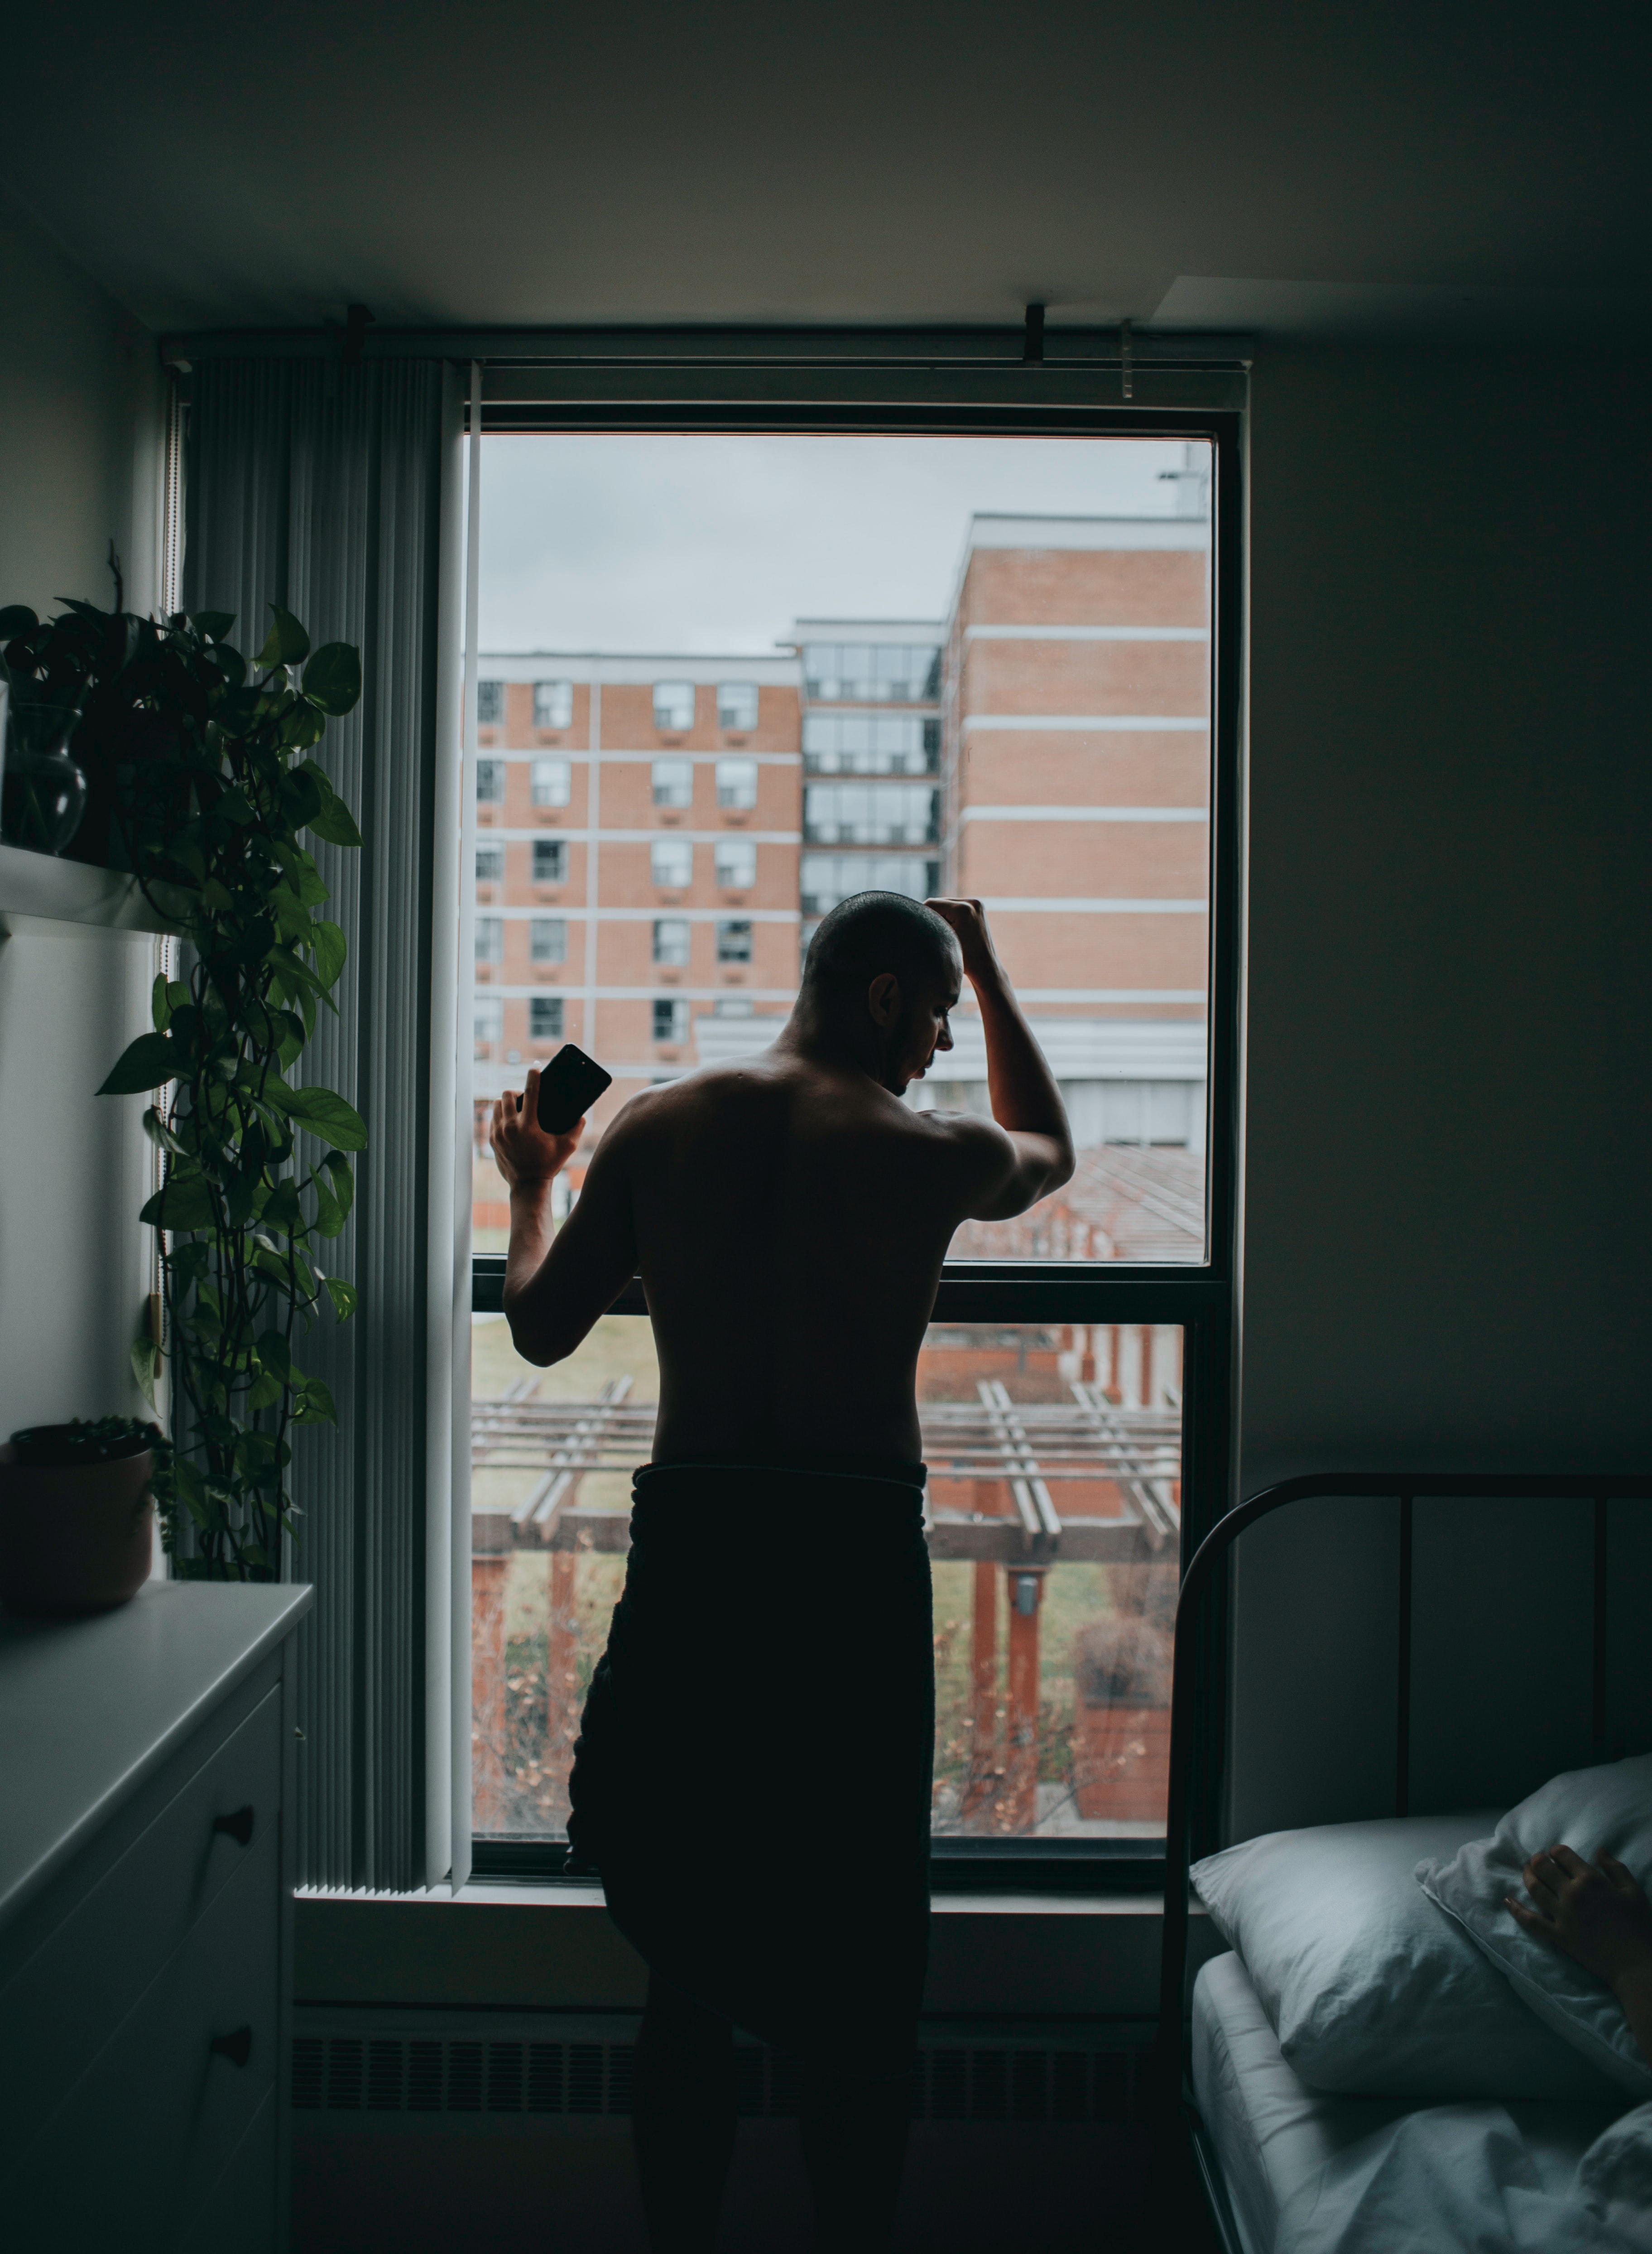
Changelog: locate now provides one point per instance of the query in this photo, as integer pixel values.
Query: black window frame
(928, 397)
(554, 851)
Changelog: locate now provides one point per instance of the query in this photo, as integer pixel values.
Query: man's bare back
(788, 1216)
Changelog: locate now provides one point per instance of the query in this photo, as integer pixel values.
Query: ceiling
(1293, 166)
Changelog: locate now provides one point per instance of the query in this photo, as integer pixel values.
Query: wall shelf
(71, 891)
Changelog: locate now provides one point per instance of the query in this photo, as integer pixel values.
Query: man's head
(885, 971)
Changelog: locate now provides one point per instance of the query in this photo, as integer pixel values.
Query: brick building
(1074, 784)
(637, 860)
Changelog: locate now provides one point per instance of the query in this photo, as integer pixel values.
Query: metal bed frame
(1190, 1701)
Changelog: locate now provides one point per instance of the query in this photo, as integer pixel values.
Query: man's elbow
(1062, 1166)
(534, 1340)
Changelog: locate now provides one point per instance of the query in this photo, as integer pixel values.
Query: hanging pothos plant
(203, 764)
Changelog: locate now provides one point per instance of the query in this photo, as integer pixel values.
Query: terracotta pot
(78, 1540)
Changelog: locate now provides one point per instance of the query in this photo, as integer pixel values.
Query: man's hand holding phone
(527, 1156)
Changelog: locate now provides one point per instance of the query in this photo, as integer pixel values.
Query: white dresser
(145, 1923)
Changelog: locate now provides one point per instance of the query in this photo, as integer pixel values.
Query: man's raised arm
(557, 1283)
(1026, 1101)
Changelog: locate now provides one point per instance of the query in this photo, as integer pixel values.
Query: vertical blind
(321, 489)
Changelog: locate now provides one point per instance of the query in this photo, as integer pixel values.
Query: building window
(490, 864)
(544, 1018)
(826, 878)
(673, 706)
(671, 941)
(553, 782)
(553, 703)
(547, 940)
(737, 704)
(489, 1022)
(869, 814)
(872, 673)
(490, 939)
(673, 783)
(736, 864)
(733, 942)
(490, 781)
(671, 863)
(550, 861)
(737, 783)
(670, 1020)
(490, 703)
(870, 743)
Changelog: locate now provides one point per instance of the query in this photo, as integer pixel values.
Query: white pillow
(1585, 1809)
(1367, 1988)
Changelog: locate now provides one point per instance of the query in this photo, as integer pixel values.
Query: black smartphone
(569, 1086)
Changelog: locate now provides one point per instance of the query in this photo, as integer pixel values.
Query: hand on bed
(1594, 1912)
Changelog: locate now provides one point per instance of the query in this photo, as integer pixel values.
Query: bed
(1445, 2104)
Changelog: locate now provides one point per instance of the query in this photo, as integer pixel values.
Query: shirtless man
(788, 1216)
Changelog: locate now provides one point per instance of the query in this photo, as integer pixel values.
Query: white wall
(79, 430)
(1447, 1193)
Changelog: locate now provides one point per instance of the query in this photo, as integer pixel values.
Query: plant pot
(42, 788)
(76, 1539)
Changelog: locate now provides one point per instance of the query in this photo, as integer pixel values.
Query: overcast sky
(713, 545)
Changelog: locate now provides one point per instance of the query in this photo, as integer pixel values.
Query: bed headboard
(1412, 1525)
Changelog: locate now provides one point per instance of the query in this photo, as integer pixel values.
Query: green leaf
(331, 949)
(264, 1391)
(343, 1296)
(332, 678)
(282, 1210)
(185, 1202)
(16, 619)
(146, 1367)
(159, 1133)
(160, 1003)
(286, 643)
(149, 1063)
(314, 1405)
(324, 1113)
(215, 624)
(344, 1182)
(274, 1353)
(329, 1221)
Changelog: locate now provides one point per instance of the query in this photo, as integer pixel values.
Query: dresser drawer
(72, 1994)
(136, 2143)
(240, 2210)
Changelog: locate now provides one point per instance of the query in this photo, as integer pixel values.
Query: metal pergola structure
(1029, 1451)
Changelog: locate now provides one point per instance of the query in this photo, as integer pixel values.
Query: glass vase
(42, 787)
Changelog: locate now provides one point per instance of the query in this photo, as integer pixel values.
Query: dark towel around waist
(752, 1774)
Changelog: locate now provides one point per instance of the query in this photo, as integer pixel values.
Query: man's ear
(883, 1000)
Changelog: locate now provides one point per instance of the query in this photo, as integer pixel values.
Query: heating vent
(1009, 2082)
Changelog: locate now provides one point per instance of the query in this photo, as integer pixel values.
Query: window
(673, 783)
(544, 1018)
(553, 703)
(553, 782)
(490, 864)
(737, 705)
(547, 940)
(870, 743)
(673, 706)
(737, 783)
(550, 861)
(490, 1022)
(866, 673)
(1053, 1379)
(490, 781)
(869, 814)
(490, 703)
(671, 863)
(490, 939)
(828, 877)
(671, 941)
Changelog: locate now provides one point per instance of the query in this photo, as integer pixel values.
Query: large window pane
(1052, 1647)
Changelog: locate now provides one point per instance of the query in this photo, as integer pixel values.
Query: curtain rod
(960, 348)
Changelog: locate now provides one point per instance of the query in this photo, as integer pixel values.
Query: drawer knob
(238, 1826)
(237, 2048)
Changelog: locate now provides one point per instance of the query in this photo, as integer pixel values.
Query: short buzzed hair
(871, 933)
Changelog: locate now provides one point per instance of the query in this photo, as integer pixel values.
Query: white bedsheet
(1308, 2173)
